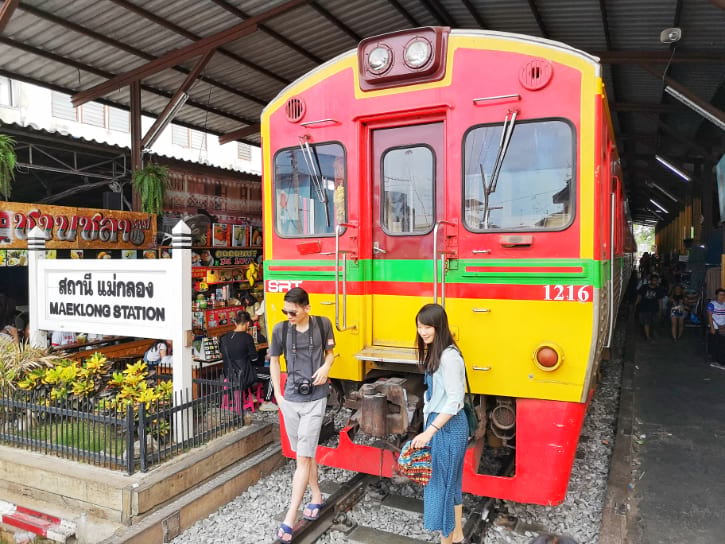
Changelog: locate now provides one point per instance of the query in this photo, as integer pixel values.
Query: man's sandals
(284, 533)
(312, 511)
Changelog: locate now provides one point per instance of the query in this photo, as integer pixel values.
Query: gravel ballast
(253, 516)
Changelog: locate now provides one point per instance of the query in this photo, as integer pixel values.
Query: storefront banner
(67, 227)
(127, 298)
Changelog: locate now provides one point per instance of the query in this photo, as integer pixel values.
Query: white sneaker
(272, 407)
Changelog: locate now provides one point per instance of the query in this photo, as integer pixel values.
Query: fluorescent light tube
(660, 206)
(667, 164)
(699, 109)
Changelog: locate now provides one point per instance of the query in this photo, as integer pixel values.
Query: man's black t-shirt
(650, 302)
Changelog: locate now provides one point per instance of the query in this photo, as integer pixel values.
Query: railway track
(335, 515)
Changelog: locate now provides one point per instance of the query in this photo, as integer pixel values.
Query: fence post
(181, 325)
(142, 435)
(130, 432)
(36, 251)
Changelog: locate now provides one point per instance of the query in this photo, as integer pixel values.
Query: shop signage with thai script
(68, 227)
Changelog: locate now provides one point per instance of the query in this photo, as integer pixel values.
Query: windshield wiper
(503, 145)
(313, 165)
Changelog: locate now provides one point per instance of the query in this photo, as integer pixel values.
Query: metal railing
(135, 439)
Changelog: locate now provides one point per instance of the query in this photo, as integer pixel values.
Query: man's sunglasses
(291, 313)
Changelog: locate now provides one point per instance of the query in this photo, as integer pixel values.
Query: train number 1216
(572, 293)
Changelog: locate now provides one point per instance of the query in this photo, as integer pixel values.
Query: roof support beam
(239, 134)
(6, 12)
(264, 28)
(537, 15)
(101, 73)
(194, 37)
(474, 13)
(660, 57)
(335, 21)
(136, 148)
(404, 12)
(174, 105)
(132, 50)
(184, 53)
(690, 99)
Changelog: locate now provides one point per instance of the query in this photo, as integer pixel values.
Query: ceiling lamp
(667, 164)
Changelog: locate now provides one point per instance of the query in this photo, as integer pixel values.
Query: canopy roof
(233, 56)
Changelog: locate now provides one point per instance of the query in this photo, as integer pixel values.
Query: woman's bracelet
(435, 426)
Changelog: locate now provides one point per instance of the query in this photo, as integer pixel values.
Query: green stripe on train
(421, 271)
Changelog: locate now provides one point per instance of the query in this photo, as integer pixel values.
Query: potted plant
(7, 165)
(150, 184)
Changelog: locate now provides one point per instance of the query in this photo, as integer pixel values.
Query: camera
(305, 387)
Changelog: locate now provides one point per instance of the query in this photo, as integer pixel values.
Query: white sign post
(148, 298)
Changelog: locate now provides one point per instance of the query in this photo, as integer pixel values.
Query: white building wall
(31, 106)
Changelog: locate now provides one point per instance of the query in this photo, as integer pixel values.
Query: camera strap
(293, 348)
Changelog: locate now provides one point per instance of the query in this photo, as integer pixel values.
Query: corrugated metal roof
(73, 46)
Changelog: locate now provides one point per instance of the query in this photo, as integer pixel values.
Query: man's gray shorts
(303, 421)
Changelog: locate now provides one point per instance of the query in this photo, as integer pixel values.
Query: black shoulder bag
(469, 410)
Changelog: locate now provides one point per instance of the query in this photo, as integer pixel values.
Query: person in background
(307, 343)
(157, 353)
(8, 330)
(238, 352)
(650, 305)
(445, 423)
(62, 338)
(716, 328)
(678, 311)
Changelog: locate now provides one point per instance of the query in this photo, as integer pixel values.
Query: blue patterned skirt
(443, 492)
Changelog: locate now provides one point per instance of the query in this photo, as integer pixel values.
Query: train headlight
(380, 59)
(548, 356)
(417, 53)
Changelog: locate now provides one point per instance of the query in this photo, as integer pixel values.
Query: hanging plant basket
(7, 165)
(150, 184)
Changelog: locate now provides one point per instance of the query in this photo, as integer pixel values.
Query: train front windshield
(309, 190)
(531, 189)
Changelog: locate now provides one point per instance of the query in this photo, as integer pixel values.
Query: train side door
(407, 200)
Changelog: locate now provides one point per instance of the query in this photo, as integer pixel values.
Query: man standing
(650, 304)
(307, 343)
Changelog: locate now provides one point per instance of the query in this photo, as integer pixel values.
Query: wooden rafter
(273, 33)
(239, 134)
(166, 116)
(102, 73)
(6, 12)
(161, 21)
(184, 53)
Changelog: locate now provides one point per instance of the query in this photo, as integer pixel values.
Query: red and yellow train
(475, 169)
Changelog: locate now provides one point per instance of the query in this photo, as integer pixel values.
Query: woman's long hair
(429, 356)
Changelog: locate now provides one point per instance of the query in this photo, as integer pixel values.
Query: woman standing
(8, 332)
(239, 353)
(445, 424)
(678, 311)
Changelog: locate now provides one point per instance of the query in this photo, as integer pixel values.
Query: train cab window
(527, 185)
(407, 190)
(309, 187)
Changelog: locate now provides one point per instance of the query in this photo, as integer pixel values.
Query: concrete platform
(144, 507)
(667, 482)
